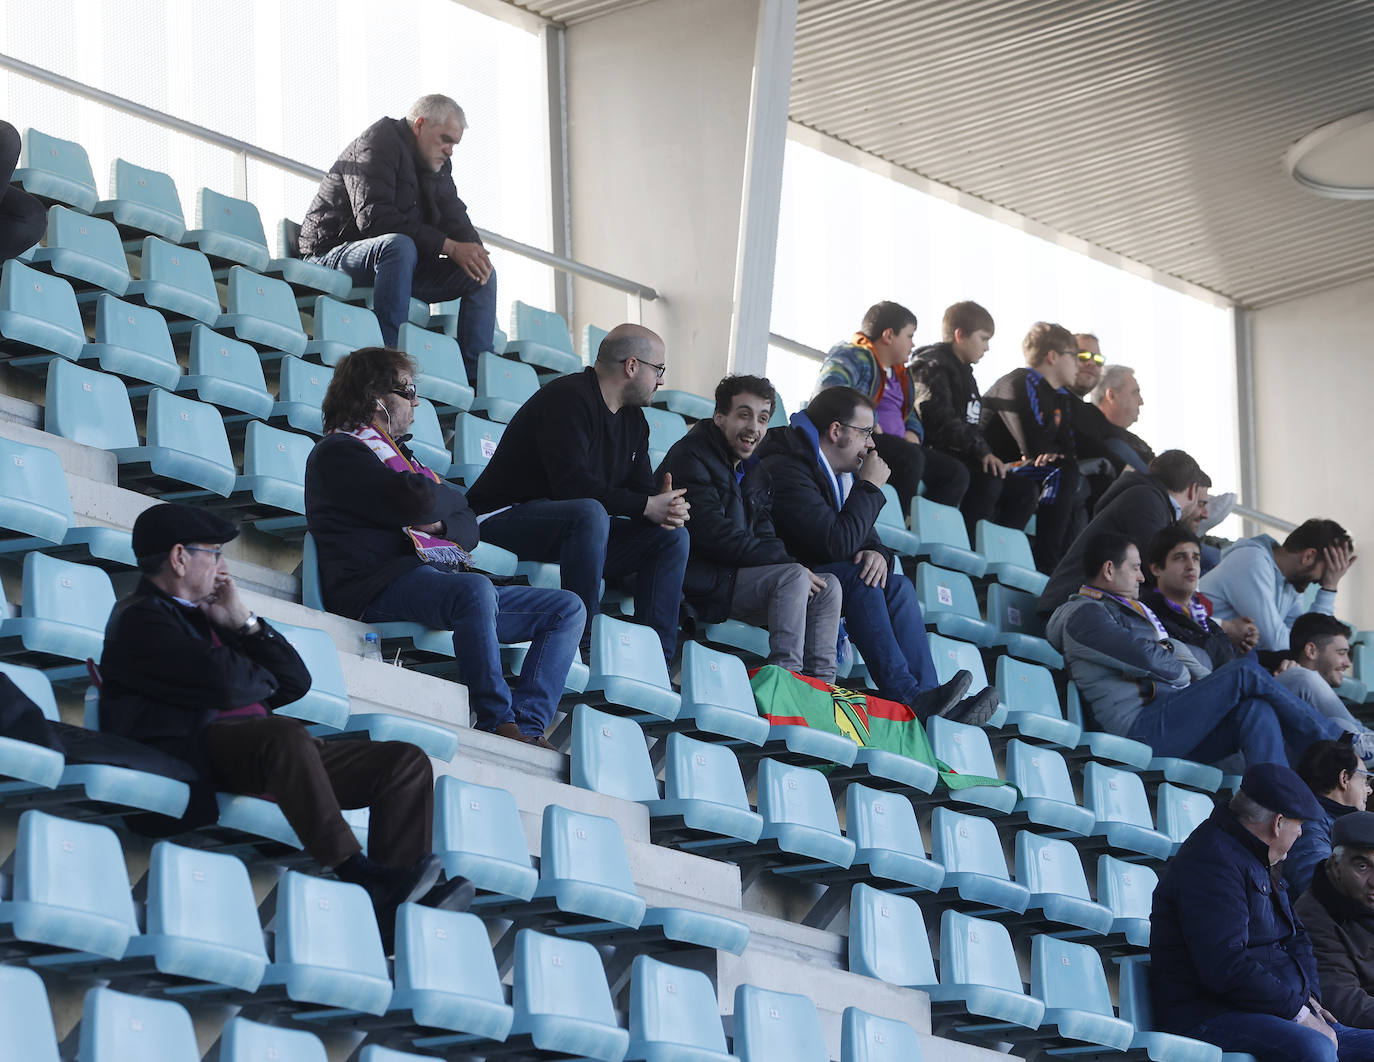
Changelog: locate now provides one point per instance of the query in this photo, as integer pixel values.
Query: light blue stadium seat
(1020, 627)
(251, 1041)
(673, 1015)
(975, 869)
(608, 755)
(427, 440)
(591, 341)
(262, 311)
(799, 820)
(951, 656)
(116, 1027)
(1188, 773)
(440, 374)
(891, 525)
(693, 407)
(187, 447)
(229, 230)
(85, 250)
(62, 618)
(1127, 890)
(88, 407)
(1101, 745)
(584, 868)
(887, 938)
(143, 202)
(1117, 800)
(704, 798)
(272, 486)
(70, 889)
(887, 840)
(39, 319)
(202, 921)
(327, 950)
(340, 329)
(378, 1053)
(326, 702)
(776, 1027)
(55, 171)
(132, 342)
(26, 1018)
(717, 700)
(949, 604)
(416, 314)
(478, 835)
(225, 373)
(562, 1002)
(446, 978)
(867, 1037)
(665, 428)
(1032, 703)
(1053, 873)
(1068, 978)
(474, 441)
(1180, 812)
(1042, 777)
(749, 641)
(503, 386)
(967, 751)
(540, 337)
(305, 278)
(300, 394)
(1134, 993)
(24, 764)
(978, 971)
(1008, 554)
(944, 537)
(627, 668)
(176, 280)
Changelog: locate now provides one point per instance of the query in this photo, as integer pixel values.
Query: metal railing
(243, 151)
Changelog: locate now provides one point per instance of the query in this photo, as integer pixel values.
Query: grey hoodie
(1247, 582)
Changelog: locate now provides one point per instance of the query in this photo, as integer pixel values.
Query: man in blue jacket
(1229, 961)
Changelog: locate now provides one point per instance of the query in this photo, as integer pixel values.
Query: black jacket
(810, 525)
(164, 681)
(1091, 429)
(377, 187)
(1134, 505)
(355, 508)
(1023, 416)
(1181, 626)
(565, 443)
(732, 520)
(948, 402)
(1343, 943)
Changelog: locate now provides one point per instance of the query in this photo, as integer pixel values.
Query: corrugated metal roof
(568, 12)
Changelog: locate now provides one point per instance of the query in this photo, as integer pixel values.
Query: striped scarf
(1138, 607)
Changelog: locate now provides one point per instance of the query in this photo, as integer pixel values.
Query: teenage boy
(1174, 556)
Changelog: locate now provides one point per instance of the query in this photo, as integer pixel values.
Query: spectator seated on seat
(1143, 685)
(1341, 785)
(1229, 962)
(874, 362)
(22, 217)
(827, 493)
(570, 482)
(189, 670)
(1106, 412)
(1338, 914)
(1175, 559)
(1174, 491)
(388, 215)
(738, 567)
(1319, 646)
(950, 407)
(1261, 579)
(393, 542)
(1027, 420)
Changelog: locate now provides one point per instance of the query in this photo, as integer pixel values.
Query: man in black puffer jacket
(388, 215)
(738, 568)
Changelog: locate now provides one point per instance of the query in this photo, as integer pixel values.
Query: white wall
(1313, 379)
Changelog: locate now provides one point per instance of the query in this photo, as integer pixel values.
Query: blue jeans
(1272, 1039)
(481, 617)
(1121, 450)
(887, 626)
(391, 265)
(587, 545)
(1238, 707)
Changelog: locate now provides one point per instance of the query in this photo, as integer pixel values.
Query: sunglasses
(1088, 355)
(408, 393)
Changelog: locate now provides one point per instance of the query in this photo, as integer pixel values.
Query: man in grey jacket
(1142, 685)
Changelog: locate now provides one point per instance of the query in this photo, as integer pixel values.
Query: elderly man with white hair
(389, 216)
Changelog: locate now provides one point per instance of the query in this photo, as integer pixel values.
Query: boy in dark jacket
(738, 568)
(1174, 559)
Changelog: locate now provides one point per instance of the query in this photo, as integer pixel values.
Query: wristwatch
(250, 625)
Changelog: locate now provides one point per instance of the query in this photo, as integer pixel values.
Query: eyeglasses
(216, 553)
(660, 369)
(867, 433)
(1088, 355)
(408, 393)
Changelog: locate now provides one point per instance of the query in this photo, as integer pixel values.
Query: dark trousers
(1009, 501)
(912, 464)
(1054, 520)
(22, 217)
(312, 779)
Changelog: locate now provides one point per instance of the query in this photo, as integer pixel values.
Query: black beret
(1278, 788)
(1354, 830)
(169, 524)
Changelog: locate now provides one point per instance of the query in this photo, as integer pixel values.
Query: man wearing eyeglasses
(571, 483)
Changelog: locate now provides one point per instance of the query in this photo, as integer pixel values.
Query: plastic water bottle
(372, 646)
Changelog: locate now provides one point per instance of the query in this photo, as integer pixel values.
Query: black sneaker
(389, 887)
(455, 894)
(942, 698)
(975, 710)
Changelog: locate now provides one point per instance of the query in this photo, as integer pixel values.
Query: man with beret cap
(188, 669)
(1230, 962)
(1338, 911)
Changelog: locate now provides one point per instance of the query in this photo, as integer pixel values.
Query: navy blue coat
(1222, 934)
